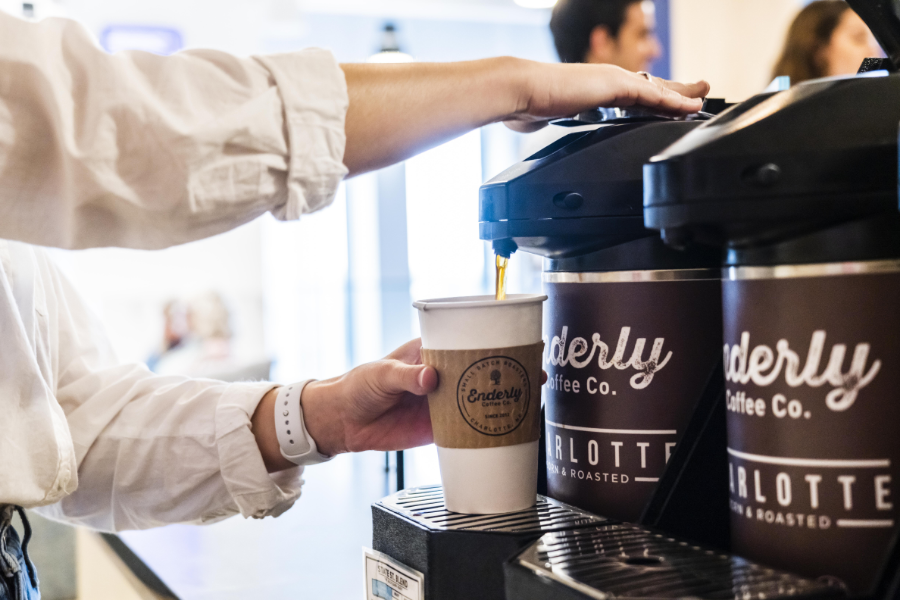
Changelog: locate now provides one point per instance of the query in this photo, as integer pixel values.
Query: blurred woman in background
(827, 38)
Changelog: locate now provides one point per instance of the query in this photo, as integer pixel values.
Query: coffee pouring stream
(502, 263)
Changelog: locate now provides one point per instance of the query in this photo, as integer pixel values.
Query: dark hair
(810, 32)
(574, 20)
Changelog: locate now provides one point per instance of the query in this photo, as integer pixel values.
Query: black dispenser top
(781, 166)
(883, 19)
(582, 195)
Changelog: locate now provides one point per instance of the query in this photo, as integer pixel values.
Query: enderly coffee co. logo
(494, 395)
(579, 357)
(762, 366)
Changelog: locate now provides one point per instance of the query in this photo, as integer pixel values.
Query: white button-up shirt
(139, 151)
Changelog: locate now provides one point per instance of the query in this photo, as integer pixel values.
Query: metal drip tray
(622, 560)
(462, 556)
(425, 505)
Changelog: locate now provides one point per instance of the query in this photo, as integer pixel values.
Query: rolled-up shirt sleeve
(152, 450)
(143, 151)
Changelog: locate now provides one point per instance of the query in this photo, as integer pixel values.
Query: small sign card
(387, 579)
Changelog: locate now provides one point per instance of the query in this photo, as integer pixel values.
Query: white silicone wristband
(296, 444)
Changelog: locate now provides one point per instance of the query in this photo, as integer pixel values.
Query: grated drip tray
(425, 505)
(622, 560)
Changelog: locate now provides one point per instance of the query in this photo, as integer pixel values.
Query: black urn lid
(583, 194)
(579, 194)
(785, 164)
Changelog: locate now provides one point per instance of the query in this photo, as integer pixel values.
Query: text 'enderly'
(762, 365)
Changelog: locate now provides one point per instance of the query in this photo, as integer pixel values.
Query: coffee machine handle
(883, 18)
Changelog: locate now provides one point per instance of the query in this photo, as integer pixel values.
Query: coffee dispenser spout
(504, 247)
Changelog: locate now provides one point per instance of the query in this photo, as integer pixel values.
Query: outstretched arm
(398, 110)
(145, 151)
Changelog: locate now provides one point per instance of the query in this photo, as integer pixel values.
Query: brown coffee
(500, 286)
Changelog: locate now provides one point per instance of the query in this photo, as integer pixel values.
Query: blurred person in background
(614, 32)
(175, 330)
(203, 343)
(826, 38)
(142, 151)
(204, 347)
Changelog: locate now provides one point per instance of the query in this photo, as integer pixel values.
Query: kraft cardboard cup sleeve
(485, 398)
(485, 412)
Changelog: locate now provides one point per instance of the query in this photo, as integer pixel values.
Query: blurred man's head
(618, 32)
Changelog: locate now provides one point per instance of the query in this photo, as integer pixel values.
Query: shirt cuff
(256, 493)
(314, 92)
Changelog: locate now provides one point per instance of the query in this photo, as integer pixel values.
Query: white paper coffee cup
(488, 357)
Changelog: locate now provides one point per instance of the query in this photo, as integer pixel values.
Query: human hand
(399, 110)
(551, 91)
(377, 406)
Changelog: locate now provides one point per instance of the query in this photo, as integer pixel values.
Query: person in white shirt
(141, 151)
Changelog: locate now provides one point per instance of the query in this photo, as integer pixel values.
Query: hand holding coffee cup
(485, 411)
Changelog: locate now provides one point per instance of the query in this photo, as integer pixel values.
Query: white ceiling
(504, 11)
(463, 10)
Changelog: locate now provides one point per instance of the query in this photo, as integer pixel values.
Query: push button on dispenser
(763, 176)
(570, 200)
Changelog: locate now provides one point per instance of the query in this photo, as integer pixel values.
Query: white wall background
(733, 44)
(129, 288)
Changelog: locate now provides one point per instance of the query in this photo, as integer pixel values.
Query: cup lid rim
(485, 301)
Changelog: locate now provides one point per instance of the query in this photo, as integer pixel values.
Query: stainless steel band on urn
(296, 444)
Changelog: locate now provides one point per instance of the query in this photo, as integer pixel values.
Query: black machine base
(462, 556)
